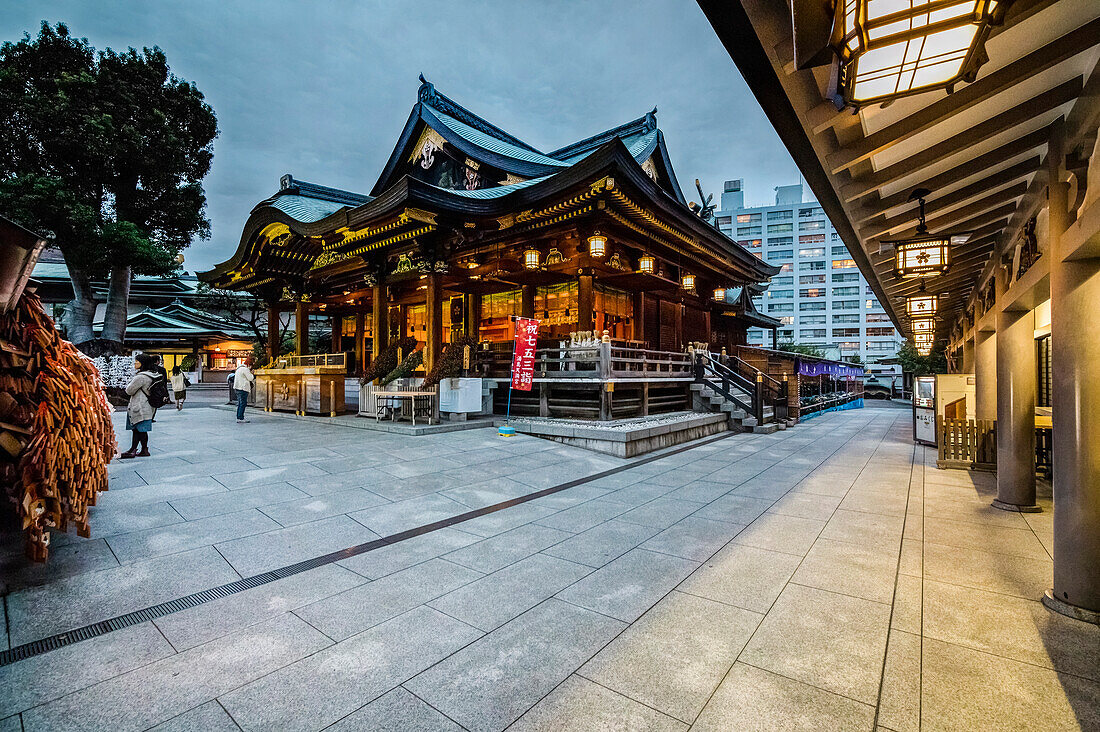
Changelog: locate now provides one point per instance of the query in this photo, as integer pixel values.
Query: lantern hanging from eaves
(894, 48)
(920, 305)
(923, 255)
(719, 294)
(923, 325)
(923, 338)
(647, 264)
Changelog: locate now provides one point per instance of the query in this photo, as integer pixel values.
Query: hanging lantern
(531, 259)
(920, 305)
(597, 244)
(923, 338)
(923, 325)
(687, 281)
(922, 255)
(719, 294)
(890, 50)
(647, 264)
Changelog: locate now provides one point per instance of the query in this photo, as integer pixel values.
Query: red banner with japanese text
(523, 359)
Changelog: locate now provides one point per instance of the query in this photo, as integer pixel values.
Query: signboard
(234, 353)
(523, 359)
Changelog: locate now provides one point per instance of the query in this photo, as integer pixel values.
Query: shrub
(387, 359)
(405, 369)
(449, 363)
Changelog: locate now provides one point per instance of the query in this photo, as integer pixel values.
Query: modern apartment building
(820, 296)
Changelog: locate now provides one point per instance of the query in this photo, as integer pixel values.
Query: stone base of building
(1013, 507)
(1071, 611)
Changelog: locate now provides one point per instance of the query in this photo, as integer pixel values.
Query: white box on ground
(460, 395)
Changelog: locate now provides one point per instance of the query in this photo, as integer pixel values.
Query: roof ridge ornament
(651, 120)
(426, 93)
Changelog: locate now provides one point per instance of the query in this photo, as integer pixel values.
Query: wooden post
(544, 399)
(337, 333)
(381, 323)
(433, 322)
(473, 315)
(272, 334)
(585, 303)
(638, 316)
(645, 399)
(527, 301)
(301, 328)
(360, 340)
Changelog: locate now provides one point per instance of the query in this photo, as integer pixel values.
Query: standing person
(242, 385)
(139, 412)
(164, 377)
(179, 386)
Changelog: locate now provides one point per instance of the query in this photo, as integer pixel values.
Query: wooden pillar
(637, 307)
(337, 333)
(381, 315)
(473, 315)
(301, 328)
(272, 334)
(527, 301)
(433, 322)
(360, 340)
(585, 303)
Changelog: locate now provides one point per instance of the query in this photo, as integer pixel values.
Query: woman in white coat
(139, 412)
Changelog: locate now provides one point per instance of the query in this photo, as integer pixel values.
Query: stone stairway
(707, 400)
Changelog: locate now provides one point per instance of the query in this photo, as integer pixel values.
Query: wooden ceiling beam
(945, 219)
(1077, 41)
(993, 207)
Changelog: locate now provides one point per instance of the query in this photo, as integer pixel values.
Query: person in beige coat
(139, 412)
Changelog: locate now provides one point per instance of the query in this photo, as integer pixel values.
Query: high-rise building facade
(820, 296)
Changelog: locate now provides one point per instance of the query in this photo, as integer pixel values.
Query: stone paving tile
(66, 560)
(584, 516)
(289, 457)
(202, 623)
(208, 717)
(628, 586)
(638, 493)
(753, 699)
(369, 478)
(393, 518)
(347, 613)
(413, 468)
(40, 679)
(76, 601)
(572, 497)
(781, 533)
(263, 552)
(994, 539)
(395, 711)
(1003, 573)
(495, 490)
(1012, 627)
(743, 576)
(106, 522)
(501, 521)
(865, 528)
(908, 612)
(734, 509)
(493, 681)
(693, 538)
(892, 501)
(327, 686)
(303, 510)
(165, 689)
(192, 485)
(153, 473)
(674, 656)
(660, 513)
(489, 602)
(1001, 693)
(850, 569)
(395, 557)
(578, 705)
(601, 544)
(830, 641)
(11, 724)
(227, 501)
(806, 505)
(142, 545)
(899, 706)
(700, 491)
(260, 476)
(497, 552)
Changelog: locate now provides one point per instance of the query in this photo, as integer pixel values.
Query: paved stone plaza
(826, 577)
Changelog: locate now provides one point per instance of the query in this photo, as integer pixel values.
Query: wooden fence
(967, 443)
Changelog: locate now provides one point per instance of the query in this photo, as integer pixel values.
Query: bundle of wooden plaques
(56, 436)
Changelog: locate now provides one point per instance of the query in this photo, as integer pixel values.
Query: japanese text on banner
(523, 360)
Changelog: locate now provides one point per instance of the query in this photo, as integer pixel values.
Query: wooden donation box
(303, 384)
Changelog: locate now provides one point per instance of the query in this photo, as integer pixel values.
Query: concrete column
(985, 375)
(585, 302)
(968, 357)
(527, 301)
(1017, 389)
(301, 328)
(433, 322)
(1075, 401)
(380, 313)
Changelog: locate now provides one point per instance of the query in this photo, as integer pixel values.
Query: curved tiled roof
(304, 208)
(494, 144)
(497, 192)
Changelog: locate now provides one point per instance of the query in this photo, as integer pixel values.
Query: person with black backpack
(148, 391)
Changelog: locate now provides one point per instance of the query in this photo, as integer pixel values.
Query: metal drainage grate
(93, 630)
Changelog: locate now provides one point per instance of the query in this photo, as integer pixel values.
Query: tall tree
(107, 152)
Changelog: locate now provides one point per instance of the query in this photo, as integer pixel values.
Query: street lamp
(597, 244)
(888, 50)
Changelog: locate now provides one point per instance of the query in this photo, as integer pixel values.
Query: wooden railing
(333, 360)
(967, 443)
(603, 361)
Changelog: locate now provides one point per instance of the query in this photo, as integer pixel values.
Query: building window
(748, 218)
(805, 213)
(812, 252)
(748, 230)
(846, 277)
(849, 346)
(780, 215)
(846, 305)
(781, 294)
(840, 251)
(783, 280)
(781, 307)
(750, 243)
(845, 332)
(811, 333)
(724, 220)
(781, 254)
(811, 279)
(873, 304)
(880, 332)
(834, 236)
(843, 263)
(785, 267)
(779, 228)
(877, 318)
(811, 239)
(785, 333)
(880, 346)
(787, 320)
(845, 318)
(811, 225)
(811, 265)
(812, 319)
(804, 306)
(813, 292)
(846, 290)
(780, 241)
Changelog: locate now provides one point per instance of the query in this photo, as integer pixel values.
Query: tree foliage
(914, 363)
(105, 152)
(803, 348)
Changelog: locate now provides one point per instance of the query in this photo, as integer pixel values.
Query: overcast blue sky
(321, 89)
